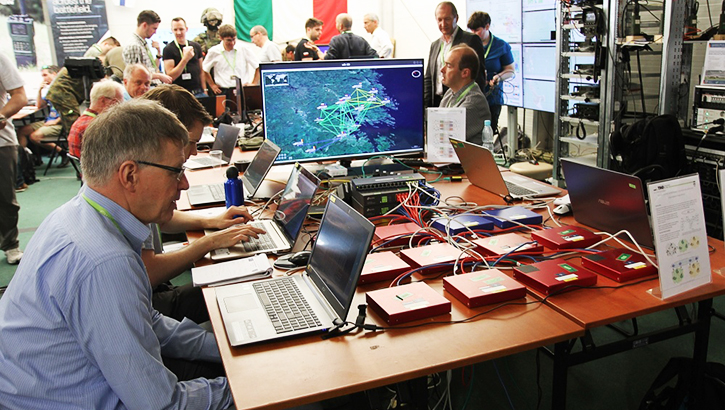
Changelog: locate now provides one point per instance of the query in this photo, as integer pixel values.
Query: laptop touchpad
(241, 303)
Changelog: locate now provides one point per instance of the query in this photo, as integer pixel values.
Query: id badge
(186, 76)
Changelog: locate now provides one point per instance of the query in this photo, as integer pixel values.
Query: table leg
(561, 367)
(699, 355)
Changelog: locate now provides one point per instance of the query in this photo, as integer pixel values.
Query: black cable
(641, 85)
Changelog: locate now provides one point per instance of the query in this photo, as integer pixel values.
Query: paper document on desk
(238, 270)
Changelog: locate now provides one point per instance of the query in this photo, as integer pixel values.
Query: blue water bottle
(233, 188)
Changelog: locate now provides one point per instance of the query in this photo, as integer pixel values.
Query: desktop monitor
(343, 109)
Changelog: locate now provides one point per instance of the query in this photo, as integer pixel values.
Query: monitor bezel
(346, 159)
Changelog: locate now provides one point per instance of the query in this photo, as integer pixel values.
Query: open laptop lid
(295, 201)
(608, 200)
(480, 167)
(226, 140)
(259, 167)
(339, 254)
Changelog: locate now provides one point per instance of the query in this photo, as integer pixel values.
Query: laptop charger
(483, 287)
(406, 303)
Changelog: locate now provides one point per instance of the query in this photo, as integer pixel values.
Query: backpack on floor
(671, 388)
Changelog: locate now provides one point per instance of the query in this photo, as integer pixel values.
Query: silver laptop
(252, 180)
(317, 300)
(481, 170)
(282, 230)
(608, 200)
(226, 140)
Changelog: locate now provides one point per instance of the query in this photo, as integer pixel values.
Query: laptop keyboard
(518, 190)
(263, 242)
(205, 161)
(286, 307)
(217, 192)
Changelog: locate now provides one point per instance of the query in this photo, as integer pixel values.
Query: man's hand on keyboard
(230, 236)
(233, 216)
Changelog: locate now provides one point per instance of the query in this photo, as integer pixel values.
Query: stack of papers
(239, 270)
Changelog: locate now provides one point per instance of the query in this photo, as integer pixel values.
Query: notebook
(282, 230)
(481, 169)
(226, 140)
(252, 179)
(608, 200)
(326, 289)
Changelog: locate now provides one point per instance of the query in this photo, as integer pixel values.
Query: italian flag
(283, 25)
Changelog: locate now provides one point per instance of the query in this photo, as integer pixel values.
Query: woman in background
(499, 63)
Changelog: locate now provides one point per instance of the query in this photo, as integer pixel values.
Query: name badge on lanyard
(186, 76)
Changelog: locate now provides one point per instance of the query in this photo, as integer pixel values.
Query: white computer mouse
(562, 209)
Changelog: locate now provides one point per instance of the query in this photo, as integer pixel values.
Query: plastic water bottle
(487, 140)
(233, 188)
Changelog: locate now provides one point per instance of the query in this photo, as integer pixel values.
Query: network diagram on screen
(337, 113)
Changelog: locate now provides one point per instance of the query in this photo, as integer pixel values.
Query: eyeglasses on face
(178, 171)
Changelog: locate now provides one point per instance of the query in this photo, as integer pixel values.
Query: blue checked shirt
(77, 330)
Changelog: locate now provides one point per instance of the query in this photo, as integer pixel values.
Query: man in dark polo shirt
(182, 60)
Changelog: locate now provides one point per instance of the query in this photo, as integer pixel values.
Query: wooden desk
(29, 114)
(304, 370)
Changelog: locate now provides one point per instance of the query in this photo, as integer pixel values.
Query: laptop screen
(260, 165)
(226, 140)
(339, 253)
(608, 200)
(296, 198)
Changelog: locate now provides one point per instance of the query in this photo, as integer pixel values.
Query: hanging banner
(75, 26)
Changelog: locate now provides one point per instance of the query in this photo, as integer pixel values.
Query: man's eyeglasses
(178, 171)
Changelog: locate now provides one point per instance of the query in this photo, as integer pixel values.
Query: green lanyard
(181, 53)
(490, 42)
(90, 114)
(103, 211)
(151, 57)
(233, 67)
(463, 94)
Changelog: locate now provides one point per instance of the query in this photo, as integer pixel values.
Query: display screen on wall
(527, 25)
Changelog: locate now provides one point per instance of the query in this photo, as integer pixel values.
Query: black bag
(663, 395)
(26, 161)
(651, 148)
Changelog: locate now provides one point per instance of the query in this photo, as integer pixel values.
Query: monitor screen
(538, 26)
(539, 95)
(343, 109)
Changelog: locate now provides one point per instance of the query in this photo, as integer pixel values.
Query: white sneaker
(14, 256)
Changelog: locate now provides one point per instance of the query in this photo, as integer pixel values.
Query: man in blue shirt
(77, 329)
(499, 63)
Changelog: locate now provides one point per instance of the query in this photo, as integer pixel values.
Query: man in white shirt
(380, 40)
(270, 52)
(229, 61)
(10, 83)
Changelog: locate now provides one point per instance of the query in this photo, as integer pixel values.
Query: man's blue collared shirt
(77, 330)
